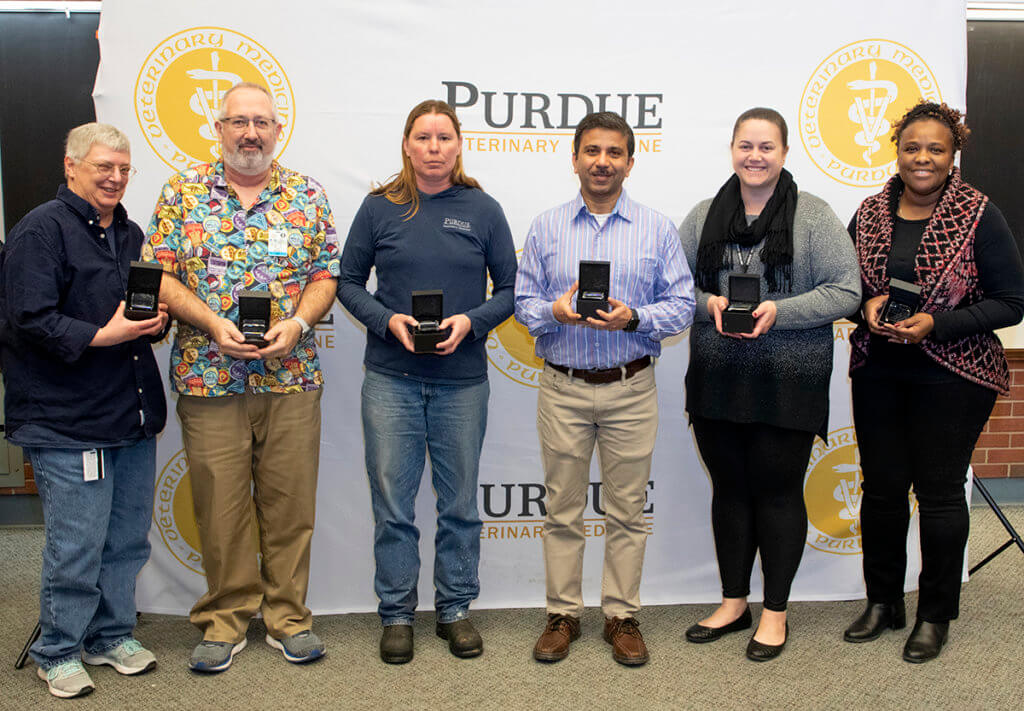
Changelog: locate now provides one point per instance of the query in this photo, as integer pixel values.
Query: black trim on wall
(48, 67)
(993, 158)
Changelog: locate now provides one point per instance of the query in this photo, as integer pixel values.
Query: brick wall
(1000, 449)
(29, 488)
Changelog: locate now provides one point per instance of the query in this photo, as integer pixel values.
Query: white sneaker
(129, 657)
(67, 679)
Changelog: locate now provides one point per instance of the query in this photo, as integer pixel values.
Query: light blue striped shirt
(648, 273)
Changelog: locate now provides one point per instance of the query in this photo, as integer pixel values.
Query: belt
(599, 376)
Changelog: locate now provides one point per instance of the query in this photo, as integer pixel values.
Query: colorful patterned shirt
(201, 233)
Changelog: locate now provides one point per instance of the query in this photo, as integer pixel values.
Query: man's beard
(248, 162)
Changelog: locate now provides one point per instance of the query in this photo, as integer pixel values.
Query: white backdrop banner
(345, 74)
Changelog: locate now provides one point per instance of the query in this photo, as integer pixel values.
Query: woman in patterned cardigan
(925, 376)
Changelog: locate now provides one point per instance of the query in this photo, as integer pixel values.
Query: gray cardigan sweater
(781, 378)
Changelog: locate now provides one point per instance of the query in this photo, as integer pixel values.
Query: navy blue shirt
(453, 241)
(60, 281)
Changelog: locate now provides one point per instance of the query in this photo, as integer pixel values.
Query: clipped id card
(92, 464)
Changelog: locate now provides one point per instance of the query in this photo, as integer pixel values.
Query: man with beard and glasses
(250, 414)
(598, 379)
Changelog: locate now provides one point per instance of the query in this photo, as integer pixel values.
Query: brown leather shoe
(623, 634)
(553, 645)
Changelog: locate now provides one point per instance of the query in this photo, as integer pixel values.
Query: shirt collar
(84, 209)
(274, 186)
(624, 207)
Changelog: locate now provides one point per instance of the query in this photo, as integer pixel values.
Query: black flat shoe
(876, 618)
(925, 641)
(757, 652)
(699, 634)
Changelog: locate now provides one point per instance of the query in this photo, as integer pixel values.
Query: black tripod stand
(23, 657)
(1014, 536)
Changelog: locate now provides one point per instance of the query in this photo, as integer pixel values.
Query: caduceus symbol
(848, 493)
(869, 112)
(206, 102)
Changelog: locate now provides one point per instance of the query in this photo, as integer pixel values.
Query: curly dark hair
(943, 113)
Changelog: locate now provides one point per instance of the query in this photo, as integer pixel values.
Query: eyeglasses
(240, 123)
(107, 169)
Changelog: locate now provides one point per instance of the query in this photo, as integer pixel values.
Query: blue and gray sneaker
(213, 657)
(299, 648)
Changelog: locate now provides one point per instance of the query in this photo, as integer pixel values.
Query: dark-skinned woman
(925, 368)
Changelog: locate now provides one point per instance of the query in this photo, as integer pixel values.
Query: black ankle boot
(925, 641)
(876, 618)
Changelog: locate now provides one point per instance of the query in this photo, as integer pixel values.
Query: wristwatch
(302, 324)
(633, 323)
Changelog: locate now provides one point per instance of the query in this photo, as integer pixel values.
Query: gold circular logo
(851, 102)
(179, 87)
(833, 494)
(175, 517)
(172, 512)
(510, 349)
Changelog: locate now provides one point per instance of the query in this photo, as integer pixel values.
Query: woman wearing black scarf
(756, 400)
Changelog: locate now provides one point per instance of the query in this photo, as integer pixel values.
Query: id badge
(92, 464)
(216, 266)
(277, 242)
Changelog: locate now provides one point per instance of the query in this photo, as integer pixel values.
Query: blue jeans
(402, 420)
(97, 540)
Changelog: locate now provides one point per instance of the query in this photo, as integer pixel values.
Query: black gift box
(902, 302)
(592, 294)
(744, 296)
(428, 310)
(254, 316)
(142, 299)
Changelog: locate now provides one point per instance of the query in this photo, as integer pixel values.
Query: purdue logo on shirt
(454, 223)
(180, 84)
(850, 103)
(174, 516)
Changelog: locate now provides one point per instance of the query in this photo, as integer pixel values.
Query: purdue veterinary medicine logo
(174, 516)
(512, 512)
(510, 349)
(499, 120)
(850, 103)
(832, 493)
(172, 512)
(178, 91)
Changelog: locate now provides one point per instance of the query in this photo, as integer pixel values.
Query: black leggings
(921, 435)
(757, 472)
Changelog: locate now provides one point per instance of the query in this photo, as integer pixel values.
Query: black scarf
(726, 224)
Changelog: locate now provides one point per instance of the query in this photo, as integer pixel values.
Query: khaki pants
(622, 417)
(246, 452)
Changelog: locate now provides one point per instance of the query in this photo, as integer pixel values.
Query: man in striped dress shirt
(598, 380)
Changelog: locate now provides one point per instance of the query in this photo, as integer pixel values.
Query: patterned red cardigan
(945, 270)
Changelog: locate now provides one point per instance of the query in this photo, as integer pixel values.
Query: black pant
(921, 435)
(757, 473)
